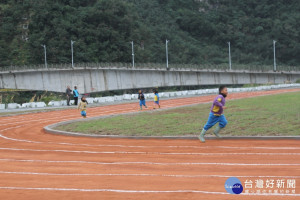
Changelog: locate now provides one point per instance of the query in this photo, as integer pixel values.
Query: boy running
(156, 99)
(216, 114)
(82, 107)
(142, 99)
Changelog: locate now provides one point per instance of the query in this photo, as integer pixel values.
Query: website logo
(233, 186)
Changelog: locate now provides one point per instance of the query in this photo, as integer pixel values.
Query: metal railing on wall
(260, 68)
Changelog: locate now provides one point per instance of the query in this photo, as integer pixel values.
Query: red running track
(37, 165)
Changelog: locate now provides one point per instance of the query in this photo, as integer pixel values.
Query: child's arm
(79, 105)
(217, 102)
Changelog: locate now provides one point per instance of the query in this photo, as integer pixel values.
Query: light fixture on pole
(45, 52)
(72, 42)
(274, 49)
(132, 52)
(229, 54)
(167, 41)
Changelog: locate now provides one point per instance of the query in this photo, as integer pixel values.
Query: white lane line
(76, 116)
(148, 153)
(103, 112)
(212, 154)
(18, 140)
(149, 163)
(281, 148)
(70, 117)
(69, 151)
(193, 147)
(137, 146)
(140, 191)
(151, 175)
(110, 190)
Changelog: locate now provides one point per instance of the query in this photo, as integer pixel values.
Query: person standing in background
(76, 95)
(68, 93)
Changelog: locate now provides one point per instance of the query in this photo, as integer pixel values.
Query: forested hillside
(198, 31)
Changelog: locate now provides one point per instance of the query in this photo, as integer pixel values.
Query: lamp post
(167, 41)
(274, 49)
(229, 54)
(45, 52)
(72, 42)
(132, 52)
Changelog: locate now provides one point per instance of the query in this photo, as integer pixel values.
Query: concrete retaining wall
(95, 80)
(2, 106)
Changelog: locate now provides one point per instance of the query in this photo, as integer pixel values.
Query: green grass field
(259, 116)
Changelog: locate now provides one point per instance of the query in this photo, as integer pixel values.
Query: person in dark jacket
(68, 94)
(142, 99)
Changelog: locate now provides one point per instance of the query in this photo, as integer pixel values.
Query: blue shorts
(157, 102)
(143, 102)
(212, 120)
(83, 113)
